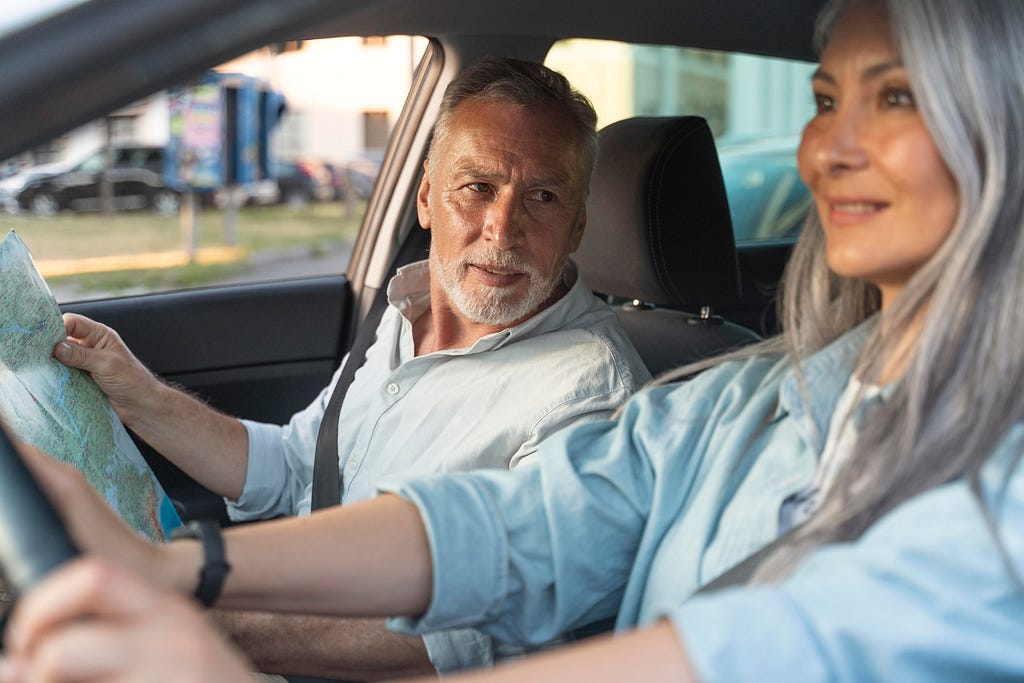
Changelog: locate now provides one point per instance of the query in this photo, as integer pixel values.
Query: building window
(375, 129)
(122, 129)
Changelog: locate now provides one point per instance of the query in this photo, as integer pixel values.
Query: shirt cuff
(459, 649)
(750, 634)
(264, 473)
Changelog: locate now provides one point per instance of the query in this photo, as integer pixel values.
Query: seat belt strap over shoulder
(326, 475)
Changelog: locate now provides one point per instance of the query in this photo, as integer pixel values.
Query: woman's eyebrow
(871, 72)
(877, 70)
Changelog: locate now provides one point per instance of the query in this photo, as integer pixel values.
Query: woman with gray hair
(874, 451)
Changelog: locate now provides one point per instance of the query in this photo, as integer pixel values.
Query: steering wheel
(33, 540)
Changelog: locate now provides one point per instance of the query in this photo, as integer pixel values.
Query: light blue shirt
(633, 516)
(486, 406)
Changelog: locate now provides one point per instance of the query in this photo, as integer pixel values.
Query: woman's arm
(92, 621)
(653, 655)
(366, 559)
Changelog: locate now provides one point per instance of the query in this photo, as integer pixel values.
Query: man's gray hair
(521, 84)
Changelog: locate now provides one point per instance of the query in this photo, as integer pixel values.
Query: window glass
(258, 170)
(755, 106)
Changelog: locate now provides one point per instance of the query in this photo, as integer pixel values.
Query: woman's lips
(854, 211)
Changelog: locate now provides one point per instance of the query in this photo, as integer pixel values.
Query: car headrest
(658, 223)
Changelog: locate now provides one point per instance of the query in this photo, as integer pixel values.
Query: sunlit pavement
(163, 259)
(258, 266)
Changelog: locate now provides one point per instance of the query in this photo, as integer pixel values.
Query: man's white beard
(493, 305)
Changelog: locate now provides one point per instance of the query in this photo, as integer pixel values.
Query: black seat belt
(326, 478)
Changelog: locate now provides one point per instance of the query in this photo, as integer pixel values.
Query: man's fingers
(84, 329)
(84, 335)
(71, 354)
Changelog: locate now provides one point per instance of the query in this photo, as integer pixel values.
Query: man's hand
(209, 446)
(91, 621)
(97, 349)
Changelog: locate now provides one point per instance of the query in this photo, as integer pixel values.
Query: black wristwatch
(215, 565)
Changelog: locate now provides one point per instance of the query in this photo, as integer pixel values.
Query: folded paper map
(60, 410)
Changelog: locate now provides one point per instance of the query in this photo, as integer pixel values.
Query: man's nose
(503, 222)
(839, 147)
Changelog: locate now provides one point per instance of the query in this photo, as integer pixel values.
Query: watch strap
(215, 565)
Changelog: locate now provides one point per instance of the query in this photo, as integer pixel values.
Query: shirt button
(393, 389)
(352, 465)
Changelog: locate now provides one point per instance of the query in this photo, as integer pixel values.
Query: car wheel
(44, 204)
(166, 202)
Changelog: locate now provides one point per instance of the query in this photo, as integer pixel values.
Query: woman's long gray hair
(963, 387)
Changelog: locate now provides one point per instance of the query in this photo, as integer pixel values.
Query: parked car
(12, 185)
(767, 198)
(256, 193)
(302, 182)
(357, 176)
(135, 175)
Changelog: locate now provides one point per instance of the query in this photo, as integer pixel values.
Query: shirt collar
(409, 292)
(825, 375)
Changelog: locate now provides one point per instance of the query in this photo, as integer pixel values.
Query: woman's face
(886, 198)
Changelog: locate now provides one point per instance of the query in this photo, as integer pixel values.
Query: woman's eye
(824, 103)
(898, 97)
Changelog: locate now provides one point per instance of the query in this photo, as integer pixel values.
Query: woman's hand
(92, 523)
(92, 621)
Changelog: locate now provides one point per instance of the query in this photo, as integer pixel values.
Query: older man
(488, 347)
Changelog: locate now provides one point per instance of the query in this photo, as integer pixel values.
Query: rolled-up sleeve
(462, 524)
(459, 649)
(280, 465)
(926, 594)
(502, 541)
(265, 474)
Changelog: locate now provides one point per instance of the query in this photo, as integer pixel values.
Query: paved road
(288, 263)
(273, 264)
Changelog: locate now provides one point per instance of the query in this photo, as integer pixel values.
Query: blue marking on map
(62, 383)
(15, 328)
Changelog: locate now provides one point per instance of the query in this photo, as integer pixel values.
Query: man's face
(503, 194)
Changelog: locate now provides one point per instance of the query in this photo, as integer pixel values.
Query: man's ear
(423, 198)
(577, 232)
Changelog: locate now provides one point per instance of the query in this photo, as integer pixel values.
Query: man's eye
(544, 196)
(898, 97)
(824, 103)
(480, 187)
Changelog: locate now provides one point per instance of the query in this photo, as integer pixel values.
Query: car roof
(779, 28)
(113, 52)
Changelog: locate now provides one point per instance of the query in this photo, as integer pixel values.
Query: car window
(15, 14)
(257, 170)
(92, 163)
(755, 106)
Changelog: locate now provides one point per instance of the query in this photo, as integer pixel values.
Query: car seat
(659, 243)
